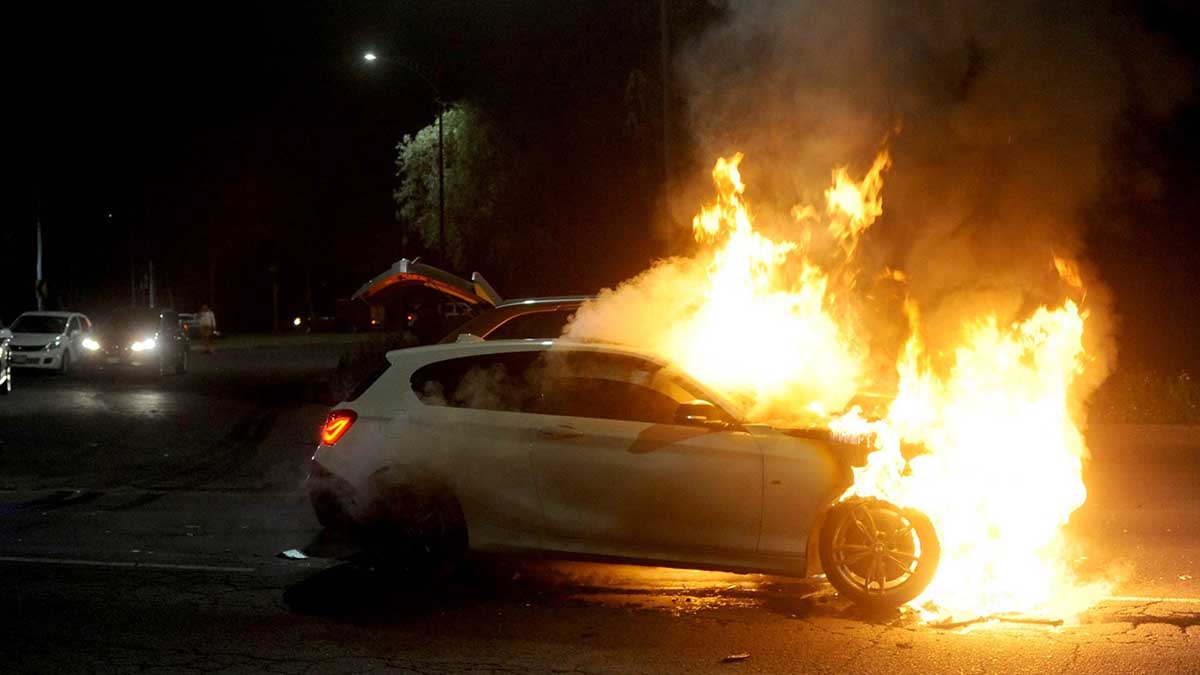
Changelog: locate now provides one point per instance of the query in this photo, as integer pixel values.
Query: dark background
(219, 140)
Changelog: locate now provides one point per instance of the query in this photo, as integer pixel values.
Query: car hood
(33, 339)
(123, 337)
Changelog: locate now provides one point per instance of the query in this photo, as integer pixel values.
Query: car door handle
(559, 432)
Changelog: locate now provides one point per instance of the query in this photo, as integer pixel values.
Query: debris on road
(734, 658)
(292, 554)
(1002, 618)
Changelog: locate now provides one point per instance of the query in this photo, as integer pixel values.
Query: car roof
(550, 300)
(60, 315)
(430, 353)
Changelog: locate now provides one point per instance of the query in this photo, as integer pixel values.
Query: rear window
(129, 320)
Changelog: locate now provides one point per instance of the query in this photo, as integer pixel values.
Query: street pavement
(142, 522)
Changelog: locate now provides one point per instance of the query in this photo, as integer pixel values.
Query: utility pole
(40, 285)
(441, 183)
(150, 281)
(666, 117)
(372, 57)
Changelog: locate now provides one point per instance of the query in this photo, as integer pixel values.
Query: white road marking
(1139, 598)
(123, 565)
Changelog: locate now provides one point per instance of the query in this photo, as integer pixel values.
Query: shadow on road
(353, 591)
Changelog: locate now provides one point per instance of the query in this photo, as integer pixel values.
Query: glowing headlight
(143, 345)
(296, 321)
(90, 344)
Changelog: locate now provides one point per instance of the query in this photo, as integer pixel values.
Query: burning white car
(601, 452)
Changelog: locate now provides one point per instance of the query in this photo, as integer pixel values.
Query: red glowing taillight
(336, 425)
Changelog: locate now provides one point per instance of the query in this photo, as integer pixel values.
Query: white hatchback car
(49, 340)
(599, 452)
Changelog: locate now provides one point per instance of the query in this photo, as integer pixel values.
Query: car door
(475, 416)
(611, 465)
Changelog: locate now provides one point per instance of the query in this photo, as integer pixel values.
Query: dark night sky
(251, 133)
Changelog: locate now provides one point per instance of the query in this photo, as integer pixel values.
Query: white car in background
(599, 452)
(49, 340)
(6, 382)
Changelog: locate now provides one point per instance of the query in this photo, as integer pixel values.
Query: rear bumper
(335, 502)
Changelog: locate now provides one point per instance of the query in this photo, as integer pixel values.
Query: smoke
(999, 119)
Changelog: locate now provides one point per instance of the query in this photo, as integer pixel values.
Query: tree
(481, 169)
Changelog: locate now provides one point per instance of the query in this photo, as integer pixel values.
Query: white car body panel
(740, 498)
(648, 484)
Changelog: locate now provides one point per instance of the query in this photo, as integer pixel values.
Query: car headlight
(143, 345)
(90, 344)
(54, 344)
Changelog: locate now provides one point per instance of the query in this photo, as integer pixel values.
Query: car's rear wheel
(415, 532)
(877, 554)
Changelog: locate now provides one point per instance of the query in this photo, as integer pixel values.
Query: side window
(73, 326)
(543, 325)
(507, 382)
(609, 399)
(609, 386)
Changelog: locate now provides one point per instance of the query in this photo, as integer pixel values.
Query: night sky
(219, 140)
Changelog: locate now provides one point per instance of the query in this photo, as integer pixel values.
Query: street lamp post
(371, 57)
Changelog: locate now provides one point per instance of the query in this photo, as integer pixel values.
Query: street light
(371, 57)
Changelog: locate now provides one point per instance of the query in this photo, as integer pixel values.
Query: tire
(181, 366)
(415, 533)
(877, 554)
(64, 364)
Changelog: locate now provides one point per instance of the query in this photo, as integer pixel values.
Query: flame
(769, 290)
(853, 207)
(1000, 472)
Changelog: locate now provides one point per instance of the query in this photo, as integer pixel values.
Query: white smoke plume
(998, 118)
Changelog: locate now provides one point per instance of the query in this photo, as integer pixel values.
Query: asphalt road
(141, 522)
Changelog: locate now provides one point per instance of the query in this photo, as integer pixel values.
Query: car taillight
(336, 425)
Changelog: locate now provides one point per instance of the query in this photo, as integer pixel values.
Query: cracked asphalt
(141, 521)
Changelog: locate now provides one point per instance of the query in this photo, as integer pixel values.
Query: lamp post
(372, 57)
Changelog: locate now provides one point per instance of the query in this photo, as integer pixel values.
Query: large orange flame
(1000, 467)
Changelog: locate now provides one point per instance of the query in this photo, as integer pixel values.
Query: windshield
(38, 323)
(132, 320)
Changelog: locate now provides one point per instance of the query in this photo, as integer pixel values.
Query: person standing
(207, 322)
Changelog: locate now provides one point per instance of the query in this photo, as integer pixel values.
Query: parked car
(188, 322)
(49, 340)
(595, 451)
(527, 318)
(141, 337)
(6, 379)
